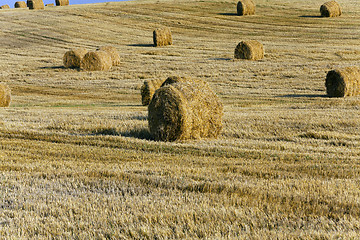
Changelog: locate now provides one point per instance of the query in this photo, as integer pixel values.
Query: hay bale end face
(72, 58)
(5, 95)
(251, 50)
(35, 4)
(162, 37)
(96, 61)
(246, 7)
(330, 9)
(62, 2)
(5, 6)
(115, 57)
(20, 4)
(343, 82)
(148, 89)
(185, 110)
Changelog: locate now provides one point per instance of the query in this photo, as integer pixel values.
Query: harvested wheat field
(77, 160)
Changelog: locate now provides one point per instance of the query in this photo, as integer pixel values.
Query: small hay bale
(343, 82)
(5, 95)
(162, 37)
(330, 9)
(96, 61)
(35, 4)
(251, 50)
(72, 58)
(5, 6)
(148, 89)
(115, 57)
(49, 5)
(20, 4)
(245, 7)
(62, 2)
(185, 110)
(176, 79)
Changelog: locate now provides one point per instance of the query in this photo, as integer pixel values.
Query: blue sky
(12, 2)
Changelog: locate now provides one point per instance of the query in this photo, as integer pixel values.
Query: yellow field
(77, 160)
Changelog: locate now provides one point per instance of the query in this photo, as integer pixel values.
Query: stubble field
(77, 160)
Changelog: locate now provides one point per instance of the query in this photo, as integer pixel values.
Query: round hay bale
(176, 79)
(49, 5)
(330, 9)
(251, 50)
(96, 61)
(148, 89)
(185, 110)
(115, 57)
(72, 58)
(162, 37)
(35, 4)
(246, 7)
(20, 4)
(62, 2)
(5, 95)
(5, 6)
(343, 82)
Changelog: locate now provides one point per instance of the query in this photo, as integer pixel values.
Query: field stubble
(77, 160)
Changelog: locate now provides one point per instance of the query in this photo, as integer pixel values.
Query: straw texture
(5, 95)
(162, 37)
(343, 82)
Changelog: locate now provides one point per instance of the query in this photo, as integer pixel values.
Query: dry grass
(77, 159)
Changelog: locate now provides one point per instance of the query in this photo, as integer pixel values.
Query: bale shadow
(141, 45)
(311, 16)
(142, 133)
(220, 59)
(55, 67)
(304, 95)
(228, 14)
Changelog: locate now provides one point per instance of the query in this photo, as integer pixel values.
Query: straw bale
(62, 2)
(251, 50)
(162, 37)
(72, 58)
(20, 4)
(5, 95)
(148, 89)
(246, 7)
(35, 4)
(115, 57)
(5, 6)
(96, 61)
(330, 9)
(343, 82)
(49, 5)
(185, 110)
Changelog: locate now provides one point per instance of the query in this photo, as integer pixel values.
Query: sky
(12, 2)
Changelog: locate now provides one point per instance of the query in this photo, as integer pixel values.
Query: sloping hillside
(77, 160)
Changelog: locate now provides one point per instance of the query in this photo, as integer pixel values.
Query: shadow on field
(310, 16)
(143, 133)
(53, 67)
(228, 14)
(220, 59)
(141, 45)
(305, 95)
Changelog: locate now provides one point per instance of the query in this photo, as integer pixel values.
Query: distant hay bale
(62, 2)
(115, 57)
(246, 7)
(330, 9)
(343, 82)
(96, 61)
(251, 50)
(5, 6)
(72, 58)
(162, 37)
(20, 4)
(35, 4)
(5, 95)
(49, 5)
(148, 89)
(185, 110)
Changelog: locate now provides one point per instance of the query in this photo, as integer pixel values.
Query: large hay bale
(5, 95)
(35, 4)
(62, 2)
(148, 89)
(176, 79)
(72, 58)
(251, 50)
(20, 4)
(185, 110)
(162, 37)
(246, 7)
(96, 61)
(115, 57)
(343, 82)
(5, 6)
(330, 9)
